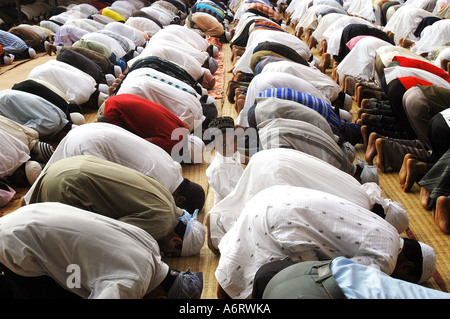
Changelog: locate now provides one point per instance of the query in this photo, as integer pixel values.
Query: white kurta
(131, 33)
(333, 34)
(184, 104)
(127, 259)
(115, 144)
(300, 224)
(145, 25)
(304, 137)
(177, 56)
(223, 174)
(329, 88)
(77, 85)
(259, 36)
(363, 9)
(404, 22)
(433, 36)
(13, 153)
(360, 61)
(282, 167)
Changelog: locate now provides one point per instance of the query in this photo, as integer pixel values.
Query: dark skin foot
(424, 197)
(371, 150)
(415, 170)
(403, 171)
(441, 213)
(379, 144)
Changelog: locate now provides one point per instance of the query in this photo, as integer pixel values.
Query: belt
(326, 279)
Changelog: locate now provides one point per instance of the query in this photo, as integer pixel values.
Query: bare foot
(379, 144)
(441, 213)
(424, 197)
(403, 171)
(415, 170)
(364, 133)
(371, 150)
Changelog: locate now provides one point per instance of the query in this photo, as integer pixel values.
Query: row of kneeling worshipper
(322, 206)
(111, 193)
(305, 218)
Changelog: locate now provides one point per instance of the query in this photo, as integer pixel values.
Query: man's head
(416, 262)
(223, 135)
(186, 239)
(189, 196)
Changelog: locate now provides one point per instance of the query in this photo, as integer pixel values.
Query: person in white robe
(120, 146)
(143, 24)
(258, 36)
(405, 21)
(363, 9)
(178, 97)
(333, 34)
(138, 37)
(433, 37)
(127, 265)
(282, 166)
(303, 224)
(77, 85)
(360, 61)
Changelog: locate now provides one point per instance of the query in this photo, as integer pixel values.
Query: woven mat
(422, 225)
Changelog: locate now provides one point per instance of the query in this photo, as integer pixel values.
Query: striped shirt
(310, 101)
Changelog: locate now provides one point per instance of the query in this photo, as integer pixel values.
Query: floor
(422, 225)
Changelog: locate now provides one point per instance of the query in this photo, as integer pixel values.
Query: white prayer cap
(195, 147)
(429, 262)
(348, 102)
(103, 88)
(102, 97)
(32, 171)
(117, 71)
(6, 193)
(77, 118)
(215, 51)
(110, 79)
(194, 236)
(32, 53)
(228, 35)
(8, 59)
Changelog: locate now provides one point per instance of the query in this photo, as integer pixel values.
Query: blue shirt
(363, 282)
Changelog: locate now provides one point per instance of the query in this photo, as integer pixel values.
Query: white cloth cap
(195, 148)
(215, 51)
(8, 59)
(32, 171)
(194, 236)
(32, 53)
(429, 262)
(77, 118)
